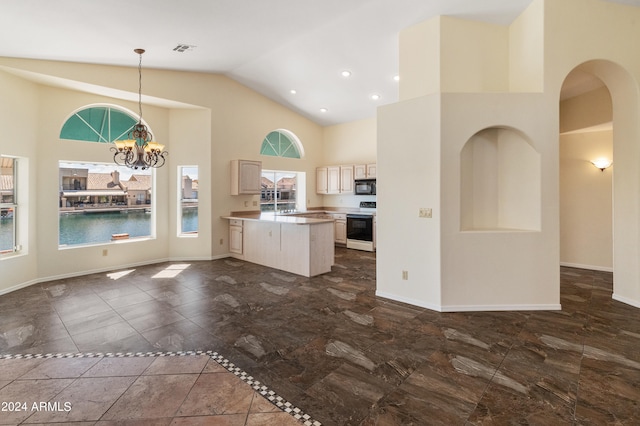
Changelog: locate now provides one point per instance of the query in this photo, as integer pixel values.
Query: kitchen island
(301, 245)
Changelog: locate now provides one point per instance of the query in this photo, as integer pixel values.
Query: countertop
(278, 218)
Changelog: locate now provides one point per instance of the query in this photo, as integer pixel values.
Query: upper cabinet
(334, 180)
(328, 180)
(364, 171)
(339, 179)
(346, 179)
(372, 170)
(246, 177)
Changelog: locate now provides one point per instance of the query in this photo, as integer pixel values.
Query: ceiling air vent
(181, 48)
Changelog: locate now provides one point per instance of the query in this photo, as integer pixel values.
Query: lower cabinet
(340, 228)
(304, 249)
(235, 236)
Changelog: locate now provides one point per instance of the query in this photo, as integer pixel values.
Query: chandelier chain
(139, 151)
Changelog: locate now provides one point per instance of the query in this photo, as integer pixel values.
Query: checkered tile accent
(263, 390)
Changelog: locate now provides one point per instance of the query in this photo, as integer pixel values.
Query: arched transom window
(102, 124)
(282, 143)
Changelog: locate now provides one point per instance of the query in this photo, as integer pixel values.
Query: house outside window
(9, 208)
(188, 201)
(282, 191)
(100, 203)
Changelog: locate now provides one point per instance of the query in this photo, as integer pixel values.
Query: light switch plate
(425, 212)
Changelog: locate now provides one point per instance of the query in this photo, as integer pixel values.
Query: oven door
(359, 227)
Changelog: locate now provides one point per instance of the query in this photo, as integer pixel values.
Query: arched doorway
(597, 229)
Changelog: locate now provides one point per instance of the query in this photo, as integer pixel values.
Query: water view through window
(188, 221)
(100, 203)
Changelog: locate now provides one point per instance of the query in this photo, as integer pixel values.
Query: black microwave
(365, 186)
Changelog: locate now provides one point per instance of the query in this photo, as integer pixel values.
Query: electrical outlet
(221, 241)
(425, 212)
(405, 275)
(105, 252)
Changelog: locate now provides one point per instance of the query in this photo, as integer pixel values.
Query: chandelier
(139, 151)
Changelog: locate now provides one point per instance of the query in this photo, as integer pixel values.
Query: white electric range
(360, 227)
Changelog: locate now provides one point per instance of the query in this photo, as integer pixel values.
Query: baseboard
(589, 267)
(18, 287)
(495, 308)
(100, 270)
(626, 300)
(469, 308)
(408, 301)
(108, 269)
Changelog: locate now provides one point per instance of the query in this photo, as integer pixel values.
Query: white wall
(409, 174)
(506, 267)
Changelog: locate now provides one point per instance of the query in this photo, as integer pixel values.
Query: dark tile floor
(329, 346)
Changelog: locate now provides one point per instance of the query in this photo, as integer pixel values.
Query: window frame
(291, 138)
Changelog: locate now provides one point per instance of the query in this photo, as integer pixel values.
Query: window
(188, 197)
(8, 206)
(282, 143)
(282, 191)
(103, 124)
(100, 203)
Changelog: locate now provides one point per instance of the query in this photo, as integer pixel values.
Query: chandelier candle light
(139, 151)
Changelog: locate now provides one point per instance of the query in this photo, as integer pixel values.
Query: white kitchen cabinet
(365, 171)
(372, 171)
(322, 181)
(235, 236)
(346, 179)
(333, 180)
(328, 180)
(340, 228)
(302, 248)
(246, 177)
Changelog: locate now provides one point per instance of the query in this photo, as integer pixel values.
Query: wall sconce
(602, 163)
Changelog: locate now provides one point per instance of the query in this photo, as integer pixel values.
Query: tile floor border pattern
(263, 390)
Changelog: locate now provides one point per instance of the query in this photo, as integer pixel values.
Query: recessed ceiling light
(323, 110)
(396, 78)
(346, 73)
(375, 97)
(293, 91)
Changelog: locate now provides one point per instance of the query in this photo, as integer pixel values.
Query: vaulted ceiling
(272, 46)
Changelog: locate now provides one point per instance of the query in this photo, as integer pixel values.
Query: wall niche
(500, 182)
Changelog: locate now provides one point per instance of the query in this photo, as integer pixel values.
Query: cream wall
(527, 50)
(586, 228)
(504, 268)
(345, 144)
(606, 51)
(18, 120)
(203, 119)
(55, 105)
(586, 198)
